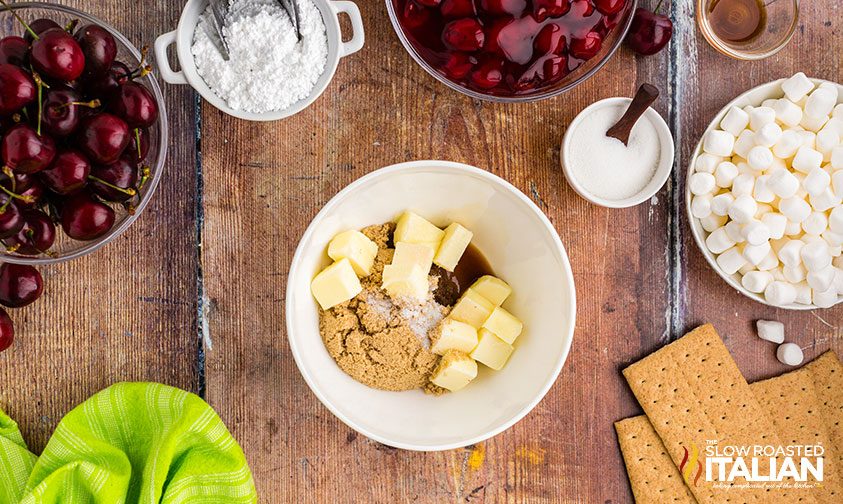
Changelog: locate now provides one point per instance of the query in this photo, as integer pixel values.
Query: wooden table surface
(192, 295)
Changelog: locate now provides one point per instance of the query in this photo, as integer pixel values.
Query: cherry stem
(90, 104)
(26, 199)
(41, 86)
(658, 7)
(21, 21)
(129, 191)
(8, 172)
(71, 26)
(146, 171)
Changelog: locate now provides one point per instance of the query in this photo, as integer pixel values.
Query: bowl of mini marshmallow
(764, 193)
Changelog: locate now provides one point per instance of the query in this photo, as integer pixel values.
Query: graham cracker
(827, 375)
(693, 393)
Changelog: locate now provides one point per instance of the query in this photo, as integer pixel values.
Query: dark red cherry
(105, 85)
(429, 3)
(68, 173)
(39, 26)
(56, 54)
(99, 48)
(116, 181)
(414, 15)
(649, 32)
(488, 74)
(140, 136)
(463, 35)
(11, 219)
(20, 285)
(84, 218)
(543, 9)
(61, 112)
(103, 137)
(458, 65)
(551, 40)
(609, 7)
(34, 195)
(17, 89)
(14, 50)
(7, 330)
(135, 104)
(457, 8)
(586, 47)
(512, 38)
(25, 151)
(20, 182)
(502, 7)
(36, 236)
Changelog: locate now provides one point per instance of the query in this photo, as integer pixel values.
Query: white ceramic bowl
(183, 38)
(522, 247)
(752, 97)
(662, 171)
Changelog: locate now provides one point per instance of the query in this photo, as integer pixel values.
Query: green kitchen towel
(130, 443)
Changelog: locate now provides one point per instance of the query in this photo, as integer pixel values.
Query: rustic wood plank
(128, 311)
(263, 184)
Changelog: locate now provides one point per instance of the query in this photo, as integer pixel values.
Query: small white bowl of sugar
(603, 169)
(271, 73)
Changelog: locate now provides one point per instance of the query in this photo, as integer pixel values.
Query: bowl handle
(167, 73)
(358, 35)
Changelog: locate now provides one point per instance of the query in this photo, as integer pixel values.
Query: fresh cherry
(14, 50)
(104, 137)
(140, 138)
(649, 32)
(39, 26)
(32, 196)
(84, 218)
(25, 151)
(68, 173)
(116, 181)
(457, 8)
(543, 9)
(586, 47)
(7, 330)
(36, 236)
(135, 104)
(99, 48)
(464, 35)
(11, 220)
(18, 183)
(17, 89)
(503, 7)
(56, 54)
(105, 85)
(20, 285)
(61, 111)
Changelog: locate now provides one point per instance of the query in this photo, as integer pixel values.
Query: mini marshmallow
(720, 204)
(701, 206)
(756, 281)
(825, 299)
(837, 158)
(795, 274)
(706, 163)
(780, 293)
(815, 255)
(754, 254)
(760, 116)
(815, 224)
(769, 102)
(795, 209)
(790, 253)
(719, 143)
(762, 209)
(820, 104)
(837, 111)
(755, 233)
(745, 142)
(793, 229)
(734, 230)
(762, 191)
(783, 183)
(804, 293)
(824, 200)
(835, 220)
(744, 208)
(731, 261)
(719, 241)
(789, 354)
(787, 112)
(725, 174)
(808, 138)
(813, 124)
(702, 183)
(746, 269)
(833, 239)
(778, 276)
(831, 88)
(816, 181)
(769, 262)
(827, 140)
(807, 159)
(821, 280)
(775, 223)
(797, 87)
(768, 135)
(736, 120)
(744, 184)
(713, 222)
(760, 158)
(770, 330)
(787, 145)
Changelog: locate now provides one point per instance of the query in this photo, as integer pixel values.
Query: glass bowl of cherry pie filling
(511, 50)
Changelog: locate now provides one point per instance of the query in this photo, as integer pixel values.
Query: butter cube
(453, 335)
(454, 243)
(357, 248)
(335, 284)
(412, 228)
(492, 288)
(408, 254)
(504, 325)
(454, 371)
(405, 281)
(491, 350)
(472, 308)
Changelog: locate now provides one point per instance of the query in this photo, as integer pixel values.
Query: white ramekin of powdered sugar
(270, 73)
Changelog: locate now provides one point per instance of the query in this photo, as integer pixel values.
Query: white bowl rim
(663, 171)
(694, 223)
(420, 165)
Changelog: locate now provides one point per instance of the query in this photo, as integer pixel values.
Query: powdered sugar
(269, 68)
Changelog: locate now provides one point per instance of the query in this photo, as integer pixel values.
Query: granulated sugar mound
(269, 68)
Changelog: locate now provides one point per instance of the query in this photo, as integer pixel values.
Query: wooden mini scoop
(644, 97)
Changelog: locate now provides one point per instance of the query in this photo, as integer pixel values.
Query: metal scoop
(219, 9)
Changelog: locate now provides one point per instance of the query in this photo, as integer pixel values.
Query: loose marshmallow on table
(796, 87)
(770, 330)
(789, 354)
(719, 143)
(736, 120)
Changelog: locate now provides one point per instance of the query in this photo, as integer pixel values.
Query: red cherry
(430, 3)
(544, 9)
(649, 33)
(106, 84)
(116, 181)
(104, 137)
(513, 38)
(463, 35)
(68, 174)
(84, 218)
(39, 26)
(20, 285)
(414, 15)
(36, 236)
(502, 7)
(544, 70)
(56, 54)
(34, 194)
(7, 330)
(61, 112)
(99, 48)
(17, 89)
(458, 65)
(25, 151)
(11, 219)
(551, 40)
(587, 47)
(21, 182)
(14, 50)
(457, 8)
(609, 6)
(135, 104)
(488, 75)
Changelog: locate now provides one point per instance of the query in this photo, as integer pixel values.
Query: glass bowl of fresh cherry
(82, 133)
(511, 50)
